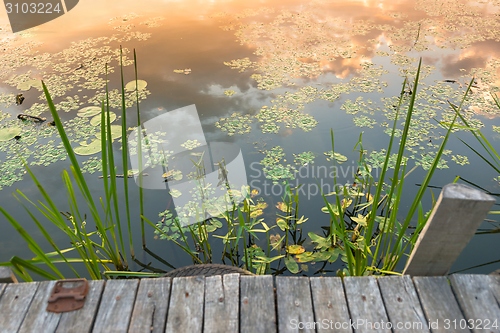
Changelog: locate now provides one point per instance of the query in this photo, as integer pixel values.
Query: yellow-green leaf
(295, 249)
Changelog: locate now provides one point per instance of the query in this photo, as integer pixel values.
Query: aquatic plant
(100, 248)
(365, 222)
(365, 231)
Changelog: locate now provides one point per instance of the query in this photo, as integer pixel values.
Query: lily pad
(141, 84)
(116, 132)
(97, 119)
(9, 133)
(90, 149)
(26, 85)
(89, 111)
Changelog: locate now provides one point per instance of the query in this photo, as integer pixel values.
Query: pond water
(271, 78)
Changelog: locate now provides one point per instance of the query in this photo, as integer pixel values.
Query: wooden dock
(234, 303)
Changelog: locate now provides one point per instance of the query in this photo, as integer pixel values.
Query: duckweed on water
(91, 165)
(229, 92)
(304, 158)
(460, 159)
(236, 123)
(191, 144)
(331, 156)
(79, 67)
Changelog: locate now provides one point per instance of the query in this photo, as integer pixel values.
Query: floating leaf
(9, 133)
(330, 156)
(141, 84)
(236, 123)
(191, 144)
(321, 241)
(116, 132)
(89, 111)
(275, 240)
(291, 264)
(90, 149)
(175, 193)
(295, 249)
(97, 119)
(305, 257)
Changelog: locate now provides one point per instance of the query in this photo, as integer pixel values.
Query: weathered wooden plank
(14, 304)
(365, 304)
(495, 283)
(37, 316)
(2, 288)
(116, 306)
(459, 211)
(185, 313)
(295, 311)
(222, 303)
(476, 297)
(151, 306)
(82, 320)
(257, 304)
(330, 305)
(7, 276)
(439, 303)
(402, 305)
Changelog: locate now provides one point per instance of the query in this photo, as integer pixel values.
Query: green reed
(102, 251)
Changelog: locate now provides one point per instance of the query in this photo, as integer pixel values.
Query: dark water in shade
(353, 49)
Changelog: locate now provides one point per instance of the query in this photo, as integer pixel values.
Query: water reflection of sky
(324, 45)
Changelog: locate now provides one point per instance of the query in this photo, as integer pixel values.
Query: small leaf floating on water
(131, 86)
(9, 133)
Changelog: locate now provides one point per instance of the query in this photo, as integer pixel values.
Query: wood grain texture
(402, 304)
(7, 276)
(185, 312)
(476, 298)
(116, 306)
(257, 304)
(151, 306)
(82, 320)
(37, 316)
(330, 305)
(438, 302)
(458, 212)
(365, 304)
(295, 310)
(14, 304)
(222, 303)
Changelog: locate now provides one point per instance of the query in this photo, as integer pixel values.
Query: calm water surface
(283, 72)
